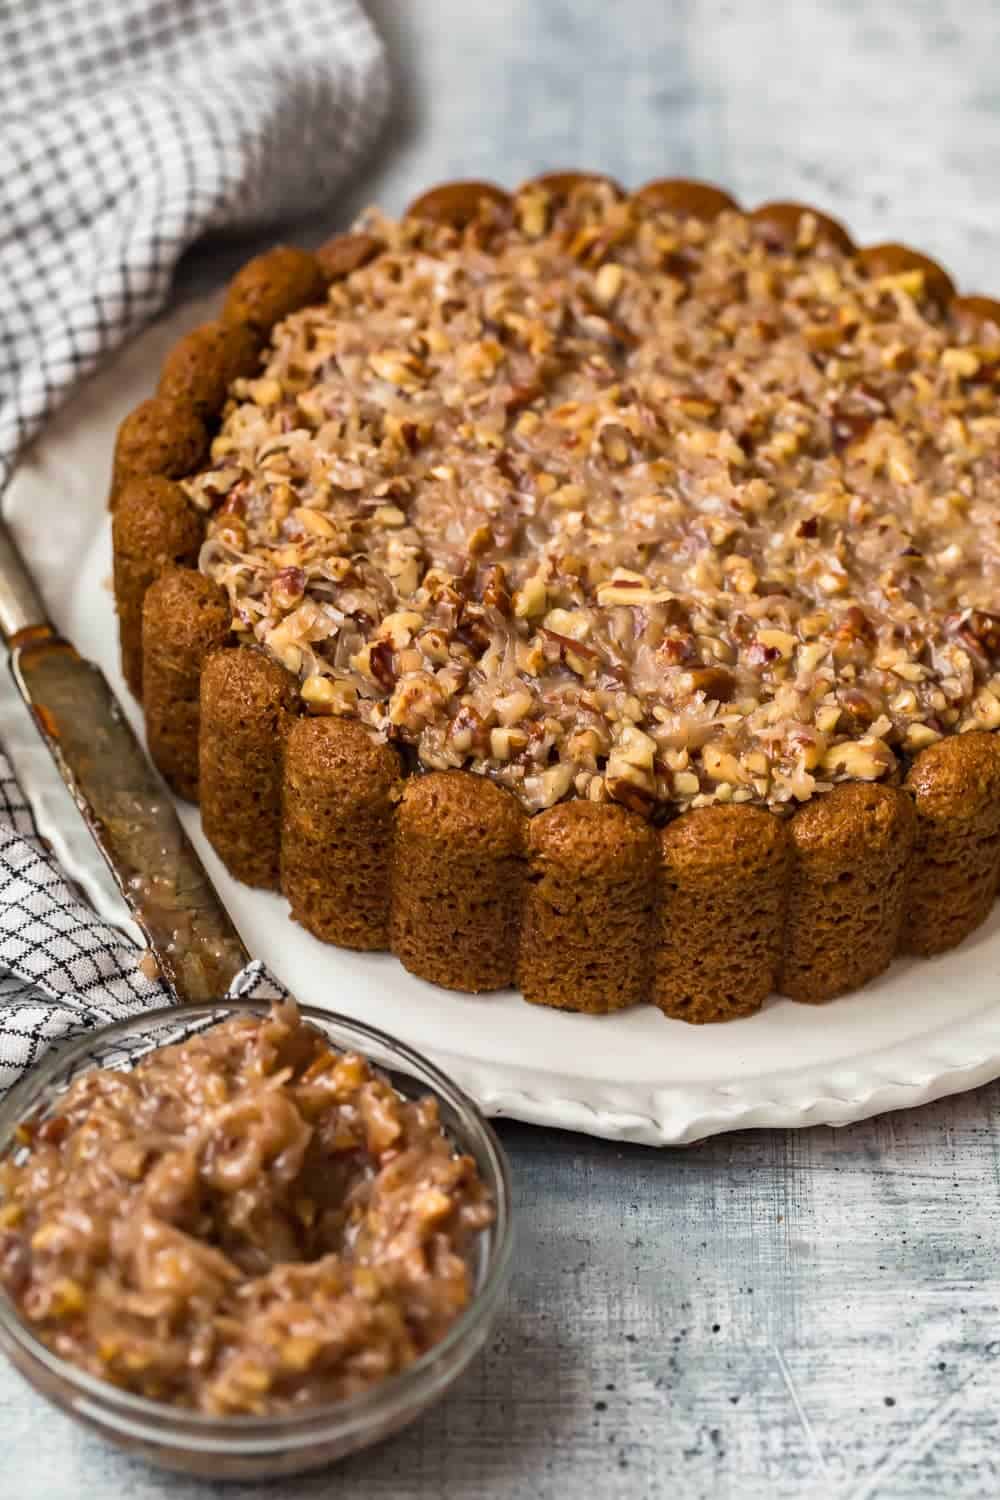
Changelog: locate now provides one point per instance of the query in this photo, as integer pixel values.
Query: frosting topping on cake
(606, 503)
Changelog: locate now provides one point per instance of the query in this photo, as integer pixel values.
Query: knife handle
(130, 814)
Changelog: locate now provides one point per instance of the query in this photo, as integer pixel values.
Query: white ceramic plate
(923, 1030)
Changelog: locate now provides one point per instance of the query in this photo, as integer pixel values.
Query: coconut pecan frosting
(603, 502)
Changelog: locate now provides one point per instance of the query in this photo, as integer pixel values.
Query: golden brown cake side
(154, 526)
(336, 832)
(686, 197)
(159, 436)
(559, 186)
(184, 617)
(458, 877)
(891, 259)
(247, 701)
(457, 203)
(787, 226)
(201, 366)
(955, 786)
(271, 286)
(588, 908)
(849, 873)
(344, 253)
(720, 924)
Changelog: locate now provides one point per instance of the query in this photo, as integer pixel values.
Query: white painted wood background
(769, 1316)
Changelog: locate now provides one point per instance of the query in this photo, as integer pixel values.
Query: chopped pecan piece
(496, 594)
(714, 682)
(855, 626)
(854, 415)
(860, 707)
(636, 798)
(980, 631)
(381, 659)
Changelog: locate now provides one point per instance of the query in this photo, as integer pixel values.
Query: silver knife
(125, 805)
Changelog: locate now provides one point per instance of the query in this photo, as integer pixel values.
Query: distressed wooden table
(765, 1315)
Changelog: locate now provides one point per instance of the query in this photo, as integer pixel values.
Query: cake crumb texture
(159, 436)
(336, 832)
(246, 705)
(458, 879)
(154, 527)
(850, 859)
(203, 364)
(585, 937)
(184, 617)
(271, 286)
(720, 923)
(955, 785)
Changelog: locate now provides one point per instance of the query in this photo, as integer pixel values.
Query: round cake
(584, 591)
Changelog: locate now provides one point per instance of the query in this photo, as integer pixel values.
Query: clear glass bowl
(265, 1447)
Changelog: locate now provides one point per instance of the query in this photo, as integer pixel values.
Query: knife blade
(123, 801)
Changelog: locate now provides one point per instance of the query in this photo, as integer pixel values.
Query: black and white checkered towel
(128, 129)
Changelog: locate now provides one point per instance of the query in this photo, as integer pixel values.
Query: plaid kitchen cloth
(129, 129)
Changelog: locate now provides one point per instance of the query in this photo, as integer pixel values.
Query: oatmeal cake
(625, 568)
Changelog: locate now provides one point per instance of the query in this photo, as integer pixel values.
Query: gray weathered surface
(764, 1317)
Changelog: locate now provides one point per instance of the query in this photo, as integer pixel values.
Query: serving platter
(924, 1029)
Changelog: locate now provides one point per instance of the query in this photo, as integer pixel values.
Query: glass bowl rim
(388, 1395)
